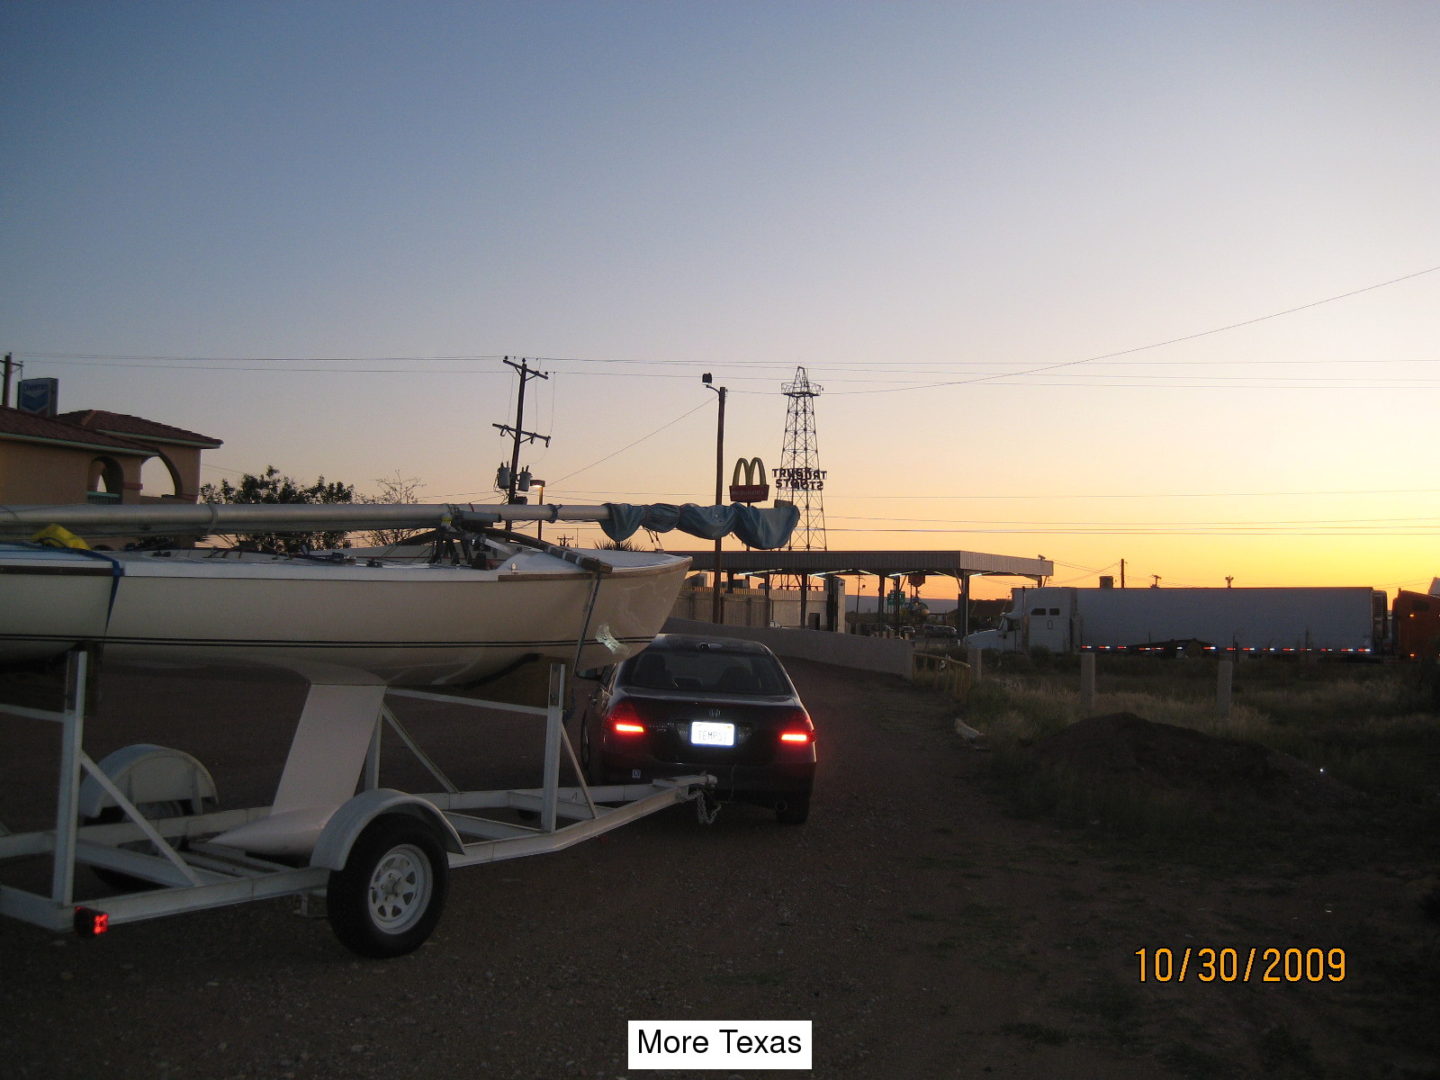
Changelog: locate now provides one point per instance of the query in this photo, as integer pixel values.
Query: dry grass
(1375, 728)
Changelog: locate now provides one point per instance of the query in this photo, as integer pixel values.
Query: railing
(944, 673)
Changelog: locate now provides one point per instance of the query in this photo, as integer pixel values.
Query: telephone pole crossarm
(517, 430)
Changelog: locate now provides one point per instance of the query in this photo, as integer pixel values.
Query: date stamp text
(1253, 964)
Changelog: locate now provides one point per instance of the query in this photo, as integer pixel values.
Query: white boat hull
(404, 625)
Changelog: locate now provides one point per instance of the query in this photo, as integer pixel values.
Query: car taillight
(796, 729)
(625, 719)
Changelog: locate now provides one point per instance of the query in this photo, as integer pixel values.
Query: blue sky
(313, 229)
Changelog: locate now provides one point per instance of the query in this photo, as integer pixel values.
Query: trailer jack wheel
(388, 898)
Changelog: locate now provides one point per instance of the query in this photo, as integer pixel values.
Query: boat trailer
(145, 820)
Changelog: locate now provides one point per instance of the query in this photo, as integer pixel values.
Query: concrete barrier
(889, 655)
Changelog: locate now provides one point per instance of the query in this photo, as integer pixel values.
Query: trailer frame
(172, 846)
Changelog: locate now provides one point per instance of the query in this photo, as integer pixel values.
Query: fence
(944, 673)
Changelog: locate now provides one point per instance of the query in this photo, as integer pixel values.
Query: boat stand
(145, 818)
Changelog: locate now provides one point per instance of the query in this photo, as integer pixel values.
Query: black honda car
(692, 704)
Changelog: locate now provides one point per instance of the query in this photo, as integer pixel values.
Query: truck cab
(1038, 618)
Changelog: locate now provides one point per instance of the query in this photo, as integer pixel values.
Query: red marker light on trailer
(91, 923)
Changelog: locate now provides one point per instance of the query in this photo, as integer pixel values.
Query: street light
(716, 612)
(539, 523)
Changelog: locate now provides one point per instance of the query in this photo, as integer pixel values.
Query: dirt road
(923, 931)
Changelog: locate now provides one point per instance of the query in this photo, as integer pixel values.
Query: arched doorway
(106, 483)
(159, 479)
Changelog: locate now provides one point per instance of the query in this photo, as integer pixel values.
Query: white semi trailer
(1060, 619)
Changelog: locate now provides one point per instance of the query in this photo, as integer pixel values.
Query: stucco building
(97, 456)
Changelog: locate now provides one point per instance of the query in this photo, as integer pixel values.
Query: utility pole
(717, 608)
(9, 367)
(518, 431)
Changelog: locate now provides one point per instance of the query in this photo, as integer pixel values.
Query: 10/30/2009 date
(1254, 964)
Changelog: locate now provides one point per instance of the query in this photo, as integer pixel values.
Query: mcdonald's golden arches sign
(755, 488)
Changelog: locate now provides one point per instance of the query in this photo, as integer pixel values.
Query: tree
(394, 489)
(272, 488)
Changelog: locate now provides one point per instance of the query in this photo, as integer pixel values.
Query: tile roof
(138, 427)
(30, 427)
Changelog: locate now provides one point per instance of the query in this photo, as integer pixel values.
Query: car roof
(707, 643)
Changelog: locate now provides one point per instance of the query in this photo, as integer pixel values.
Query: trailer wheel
(388, 898)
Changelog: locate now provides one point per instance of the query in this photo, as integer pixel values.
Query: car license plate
(709, 733)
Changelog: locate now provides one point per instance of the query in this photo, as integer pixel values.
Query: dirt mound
(1125, 751)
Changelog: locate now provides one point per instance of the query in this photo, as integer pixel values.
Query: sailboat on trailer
(489, 601)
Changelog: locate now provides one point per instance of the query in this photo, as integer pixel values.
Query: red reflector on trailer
(91, 923)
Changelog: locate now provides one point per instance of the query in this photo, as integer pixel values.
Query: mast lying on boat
(293, 517)
(757, 527)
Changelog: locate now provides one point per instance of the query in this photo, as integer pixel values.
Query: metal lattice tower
(800, 478)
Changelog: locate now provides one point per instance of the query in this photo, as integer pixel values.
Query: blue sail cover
(755, 527)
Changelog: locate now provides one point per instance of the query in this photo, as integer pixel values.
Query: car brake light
(625, 719)
(797, 729)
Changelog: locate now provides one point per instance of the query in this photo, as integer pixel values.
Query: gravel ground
(921, 930)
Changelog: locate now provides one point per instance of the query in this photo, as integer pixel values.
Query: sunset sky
(1157, 281)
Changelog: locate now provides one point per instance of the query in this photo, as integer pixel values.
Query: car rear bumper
(746, 783)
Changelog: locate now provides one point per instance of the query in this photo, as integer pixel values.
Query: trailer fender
(332, 850)
(147, 775)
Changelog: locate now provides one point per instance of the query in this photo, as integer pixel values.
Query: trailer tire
(389, 896)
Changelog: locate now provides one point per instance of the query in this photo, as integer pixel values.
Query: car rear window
(706, 672)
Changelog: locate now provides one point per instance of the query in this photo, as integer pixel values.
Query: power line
(146, 359)
(280, 366)
(637, 442)
(1123, 530)
(1160, 495)
(1168, 341)
(1407, 521)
